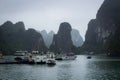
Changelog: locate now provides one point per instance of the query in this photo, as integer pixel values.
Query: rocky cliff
(62, 41)
(76, 38)
(103, 32)
(14, 37)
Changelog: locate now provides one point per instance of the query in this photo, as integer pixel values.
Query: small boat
(51, 62)
(89, 57)
(58, 57)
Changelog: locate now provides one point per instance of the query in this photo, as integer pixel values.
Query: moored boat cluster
(36, 57)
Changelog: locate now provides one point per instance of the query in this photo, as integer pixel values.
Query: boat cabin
(22, 54)
(38, 57)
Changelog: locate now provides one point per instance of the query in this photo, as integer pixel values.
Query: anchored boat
(66, 56)
(23, 57)
(39, 58)
(51, 62)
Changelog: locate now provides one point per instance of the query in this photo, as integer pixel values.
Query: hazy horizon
(48, 14)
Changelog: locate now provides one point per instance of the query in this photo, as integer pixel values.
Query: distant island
(14, 37)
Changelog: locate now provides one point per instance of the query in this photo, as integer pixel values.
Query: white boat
(50, 55)
(21, 56)
(59, 57)
(39, 58)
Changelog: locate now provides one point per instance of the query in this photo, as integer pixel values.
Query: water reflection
(105, 70)
(97, 68)
(73, 70)
(64, 72)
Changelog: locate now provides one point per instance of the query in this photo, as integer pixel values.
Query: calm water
(97, 68)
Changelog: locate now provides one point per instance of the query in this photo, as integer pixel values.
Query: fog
(48, 14)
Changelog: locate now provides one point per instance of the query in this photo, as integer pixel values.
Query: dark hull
(89, 57)
(22, 63)
(41, 63)
(58, 59)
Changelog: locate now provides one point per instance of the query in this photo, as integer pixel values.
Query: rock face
(91, 36)
(14, 37)
(62, 41)
(103, 32)
(34, 41)
(48, 37)
(76, 38)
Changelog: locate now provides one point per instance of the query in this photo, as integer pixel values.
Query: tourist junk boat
(66, 56)
(23, 57)
(20, 55)
(70, 56)
(39, 58)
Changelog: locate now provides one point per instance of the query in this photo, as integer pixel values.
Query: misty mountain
(76, 38)
(48, 37)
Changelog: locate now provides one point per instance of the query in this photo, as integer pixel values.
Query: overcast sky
(48, 14)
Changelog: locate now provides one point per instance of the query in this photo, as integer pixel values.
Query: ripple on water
(97, 68)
